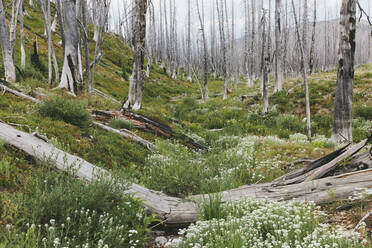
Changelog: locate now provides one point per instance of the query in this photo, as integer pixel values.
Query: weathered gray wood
(294, 176)
(127, 134)
(320, 172)
(342, 121)
(323, 190)
(177, 212)
(18, 93)
(170, 209)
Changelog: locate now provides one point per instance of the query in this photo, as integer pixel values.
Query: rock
(160, 241)
(173, 243)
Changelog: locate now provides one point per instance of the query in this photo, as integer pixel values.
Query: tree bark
(278, 47)
(86, 48)
(205, 49)
(22, 36)
(221, 23)
(304, 73)
(7, 44)
(312, 49)
(136, 80)
(342, 123)
(69, 76)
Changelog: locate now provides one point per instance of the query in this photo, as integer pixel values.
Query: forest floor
(245, 147)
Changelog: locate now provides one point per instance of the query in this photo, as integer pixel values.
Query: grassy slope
(187, 115)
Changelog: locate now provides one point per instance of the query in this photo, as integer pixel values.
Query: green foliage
(361, 129)
(4, 103)
(178, 171)
(68, 110)
(363, 111)
(120, 123)
(255, 223)
(62, 209)
(166, 171)
(213, 208)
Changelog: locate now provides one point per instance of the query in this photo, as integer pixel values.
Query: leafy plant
(68, 110)
(56, 210)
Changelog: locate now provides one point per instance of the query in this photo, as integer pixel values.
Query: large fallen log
(148, 124)
(170, 209)
(176, 212)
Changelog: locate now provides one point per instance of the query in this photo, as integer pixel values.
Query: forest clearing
(185, 123)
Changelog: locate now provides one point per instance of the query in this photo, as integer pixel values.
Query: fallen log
(321, 171)
(148, 124)
(127, 134)
(176, 212)
(169, 209)
(297, 176)
(124, 133)
(18, 93)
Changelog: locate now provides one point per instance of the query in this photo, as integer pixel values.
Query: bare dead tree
(304, 73)
(205, 48)
(86, 48)
(342, 123)
(52, 61)
(70, 62)
(8, 39)
(136, 80)
(253, 41)
(221, 24)
(246, 44)
(22, 36)
(312, 49)
(265, 70)
(104, 6)
(278, 47)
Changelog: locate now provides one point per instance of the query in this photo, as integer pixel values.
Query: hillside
(245, 147)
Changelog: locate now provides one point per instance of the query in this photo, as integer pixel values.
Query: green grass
(245, 147)
(52, 207)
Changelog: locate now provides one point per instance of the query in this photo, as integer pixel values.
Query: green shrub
(291, 123)
(120, 124)
(174, 170)
(4, 103)
(187, 105)
(55, 208)
(364, 112)
(70, 111)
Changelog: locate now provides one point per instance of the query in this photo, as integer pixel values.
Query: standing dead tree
(69, 77)
(304, 73)
(134, 100)
(221, 24)
(8, 40)
(278, 47)
(205, 48)
(45, 9)
(312, 49)
(22, 36)
(342, 123)
(99, 28)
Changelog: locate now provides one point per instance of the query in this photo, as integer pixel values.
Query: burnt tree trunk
(342, 123)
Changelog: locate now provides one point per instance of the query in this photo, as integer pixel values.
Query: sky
(331, 8)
